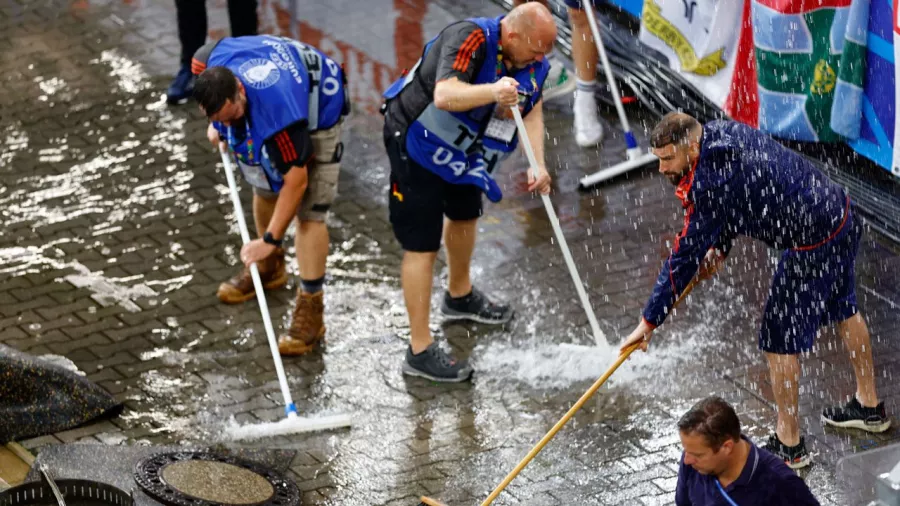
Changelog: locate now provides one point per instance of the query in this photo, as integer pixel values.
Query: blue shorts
(578, 4)
(811, 288)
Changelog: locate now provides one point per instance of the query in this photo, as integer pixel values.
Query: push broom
(523, 135)
(635, 157)
(292, 423)
(599, 338)
(427, 501)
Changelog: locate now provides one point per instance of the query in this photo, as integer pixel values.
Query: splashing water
(549, 366)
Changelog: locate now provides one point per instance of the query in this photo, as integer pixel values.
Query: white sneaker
(559, 82)
(588, 129)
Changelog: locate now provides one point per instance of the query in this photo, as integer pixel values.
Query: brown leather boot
(239, 289)
(307, 324)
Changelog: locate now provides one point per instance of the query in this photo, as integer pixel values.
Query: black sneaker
(795, 457)
(436, 365)
(182, 86)
(855, 415)
(475, 307)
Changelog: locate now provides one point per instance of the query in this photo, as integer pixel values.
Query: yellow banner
(663, 29)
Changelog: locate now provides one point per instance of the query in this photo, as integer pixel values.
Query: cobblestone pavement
(118, 228)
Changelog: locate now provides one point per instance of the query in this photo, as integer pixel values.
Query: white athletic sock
(584, 94)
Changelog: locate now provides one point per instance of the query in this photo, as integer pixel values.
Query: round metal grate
(207, 479)
(75, 493)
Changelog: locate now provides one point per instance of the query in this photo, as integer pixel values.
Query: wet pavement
(118, 229)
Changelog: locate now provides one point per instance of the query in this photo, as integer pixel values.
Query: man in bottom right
(721, 466)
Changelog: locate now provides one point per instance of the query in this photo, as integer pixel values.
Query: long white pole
(599, 337)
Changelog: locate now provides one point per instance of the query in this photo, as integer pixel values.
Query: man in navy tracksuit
(732, 179)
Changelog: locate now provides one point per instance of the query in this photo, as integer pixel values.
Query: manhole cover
(206, 479)
(74, 492)
(219, 482)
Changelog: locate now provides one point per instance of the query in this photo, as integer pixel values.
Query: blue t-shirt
(765, 481)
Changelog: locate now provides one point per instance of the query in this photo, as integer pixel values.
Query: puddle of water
(109, 291)
(13, 140)
(130, 76)
(98, 188)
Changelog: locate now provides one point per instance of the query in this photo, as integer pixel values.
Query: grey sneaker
(436, 365)
(475, 307)
(559, 81)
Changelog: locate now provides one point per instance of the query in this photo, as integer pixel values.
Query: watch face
(267, 237)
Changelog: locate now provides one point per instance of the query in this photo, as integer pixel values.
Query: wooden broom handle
(584, 398)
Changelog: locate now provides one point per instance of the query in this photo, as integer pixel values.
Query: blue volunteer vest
(285, 81)
(465, 147)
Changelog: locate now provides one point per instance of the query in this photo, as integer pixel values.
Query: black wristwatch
(269, 239)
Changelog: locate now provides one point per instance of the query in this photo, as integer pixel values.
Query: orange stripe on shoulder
(471, 51)
(465, 50)
(197, 66)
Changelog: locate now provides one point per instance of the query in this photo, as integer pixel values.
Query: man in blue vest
(447, 127)
(279, 105)
(734, 180)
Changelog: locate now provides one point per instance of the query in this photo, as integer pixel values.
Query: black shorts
(419, 199)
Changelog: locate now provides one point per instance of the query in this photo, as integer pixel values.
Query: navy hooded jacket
(745, 183)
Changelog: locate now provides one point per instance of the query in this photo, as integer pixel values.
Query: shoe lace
(442, 358)
(484, 303)
(302, 317)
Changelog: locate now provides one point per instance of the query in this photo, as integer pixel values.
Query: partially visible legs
(855, 335)
(416, 205)
(192, 30)
(311, 241)
(459, 238)
(864, 410)
(810, 289)
(784, 371)
(242, 17)
(588, 129)
(788, 328)
(462, 301)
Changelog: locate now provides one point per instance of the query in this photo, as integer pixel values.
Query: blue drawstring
(727, 497)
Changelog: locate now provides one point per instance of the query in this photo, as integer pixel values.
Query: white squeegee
(293, 423)
(636, 158)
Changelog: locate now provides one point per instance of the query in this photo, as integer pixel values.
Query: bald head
(529, 32)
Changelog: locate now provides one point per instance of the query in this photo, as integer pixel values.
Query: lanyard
(724, 494)
(500, 70)
(232, 140)
(500, 66)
